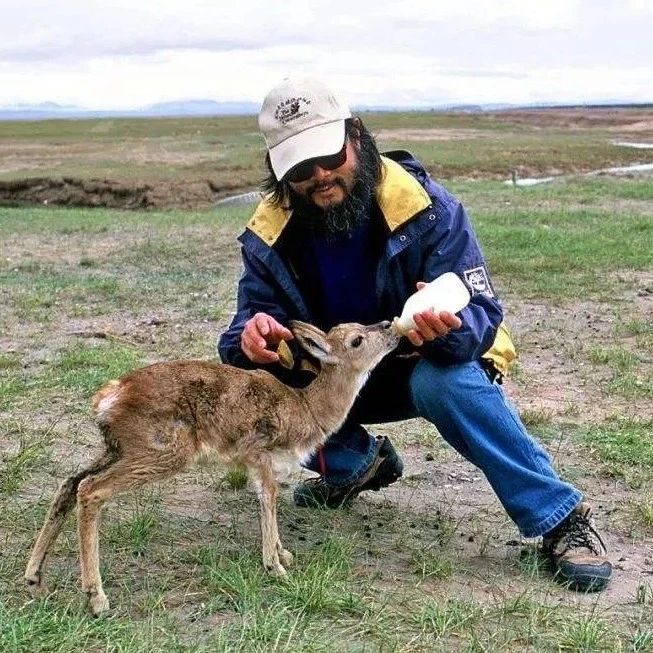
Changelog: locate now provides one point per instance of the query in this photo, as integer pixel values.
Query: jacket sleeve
(457, 250)
(257, 292)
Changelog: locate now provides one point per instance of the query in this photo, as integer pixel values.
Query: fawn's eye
(357, 341)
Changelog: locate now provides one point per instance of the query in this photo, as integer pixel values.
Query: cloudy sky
(127, 54)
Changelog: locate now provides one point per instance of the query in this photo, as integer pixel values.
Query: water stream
(617, 170)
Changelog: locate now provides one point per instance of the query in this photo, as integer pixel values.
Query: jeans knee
(435, 389)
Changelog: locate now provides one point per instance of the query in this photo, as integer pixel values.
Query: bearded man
(345, 234)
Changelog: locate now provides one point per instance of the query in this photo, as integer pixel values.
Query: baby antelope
(158, 420)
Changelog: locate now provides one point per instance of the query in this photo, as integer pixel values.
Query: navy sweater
(337, 274)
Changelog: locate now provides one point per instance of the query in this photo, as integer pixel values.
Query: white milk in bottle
(446, 293)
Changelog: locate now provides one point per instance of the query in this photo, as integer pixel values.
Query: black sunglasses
(304, 170)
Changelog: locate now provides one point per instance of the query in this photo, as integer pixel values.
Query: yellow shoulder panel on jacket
(399, 195)
(268, 221)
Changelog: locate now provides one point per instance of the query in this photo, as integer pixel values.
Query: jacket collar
(399, 196)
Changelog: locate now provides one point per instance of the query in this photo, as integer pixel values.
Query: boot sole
(593, 580)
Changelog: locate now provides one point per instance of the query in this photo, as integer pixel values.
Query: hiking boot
(578, 553)
(385, 469)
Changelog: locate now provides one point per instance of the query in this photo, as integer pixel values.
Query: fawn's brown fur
(158, 420)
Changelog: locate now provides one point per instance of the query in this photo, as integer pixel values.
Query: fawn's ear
(313, 340)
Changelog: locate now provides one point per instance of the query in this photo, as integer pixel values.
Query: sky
(125, 54)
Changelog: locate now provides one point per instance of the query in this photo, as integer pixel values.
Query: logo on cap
(291, 109)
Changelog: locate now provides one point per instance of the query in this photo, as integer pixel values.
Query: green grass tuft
(50, 627)
(584, 634)
(449, 618)
(432, 562)
(85, 368)
(236, 477)
(16, 468)
(626, 441)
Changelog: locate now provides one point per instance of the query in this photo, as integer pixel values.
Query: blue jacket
(428, 234)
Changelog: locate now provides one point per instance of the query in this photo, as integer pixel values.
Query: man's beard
(343, 218)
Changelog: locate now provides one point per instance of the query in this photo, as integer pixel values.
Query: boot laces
(578, 532)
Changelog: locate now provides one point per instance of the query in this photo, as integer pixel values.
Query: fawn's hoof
(275, 568)
(98, 603)
(285, 557)
(34, 586)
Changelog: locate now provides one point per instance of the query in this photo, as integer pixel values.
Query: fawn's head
(355, 348)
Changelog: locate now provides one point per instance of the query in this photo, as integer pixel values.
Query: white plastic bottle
(446, 293)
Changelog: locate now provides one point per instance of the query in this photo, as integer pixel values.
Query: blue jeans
(474, 416)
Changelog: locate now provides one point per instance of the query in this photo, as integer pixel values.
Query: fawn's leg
(94, 492)
(285, 557)
(275, 557)
(61, 505)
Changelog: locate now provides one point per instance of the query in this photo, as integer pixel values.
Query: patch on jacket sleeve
(478, 281)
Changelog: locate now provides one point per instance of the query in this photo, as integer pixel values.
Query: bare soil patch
(581, 118)
(429, 134)
(553, 343)
(107, 193)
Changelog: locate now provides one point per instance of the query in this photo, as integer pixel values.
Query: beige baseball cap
(301, 119)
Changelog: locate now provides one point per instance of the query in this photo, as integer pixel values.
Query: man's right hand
(261, 333)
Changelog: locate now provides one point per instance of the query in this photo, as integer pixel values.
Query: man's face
(329, 188)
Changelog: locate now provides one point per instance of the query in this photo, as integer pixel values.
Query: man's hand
(260, 333)
(431, 325)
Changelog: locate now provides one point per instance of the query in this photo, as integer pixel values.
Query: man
(347, 235)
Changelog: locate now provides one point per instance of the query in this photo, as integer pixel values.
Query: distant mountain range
(51, 110)
(207, 108)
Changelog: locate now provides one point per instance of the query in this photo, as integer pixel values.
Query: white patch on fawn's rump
(105, 399)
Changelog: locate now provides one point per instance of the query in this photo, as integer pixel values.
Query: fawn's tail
(104, 399)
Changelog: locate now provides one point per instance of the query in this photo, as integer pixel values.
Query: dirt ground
(581, 118)
(555, 381)
(486, 544)
(107, 193)
(429, 134)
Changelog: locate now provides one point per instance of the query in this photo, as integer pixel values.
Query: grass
(77, 371)
(333, 599)
(627, 441)
(45, 628)
(553, 253)
(83, 368)
(642, 641)
(625, 446)
(322, 586)
(451, 618)
(17, 467)
(235, 477)
(98, 222)
(229, 149)
(135, 534)
(643, 513)
(433, 563)
(536, 417)
(586, 634)
(629, 378)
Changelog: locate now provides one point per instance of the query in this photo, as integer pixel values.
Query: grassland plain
(431, 564)
(189, 163)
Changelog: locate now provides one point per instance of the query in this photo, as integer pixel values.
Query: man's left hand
(432, 325)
